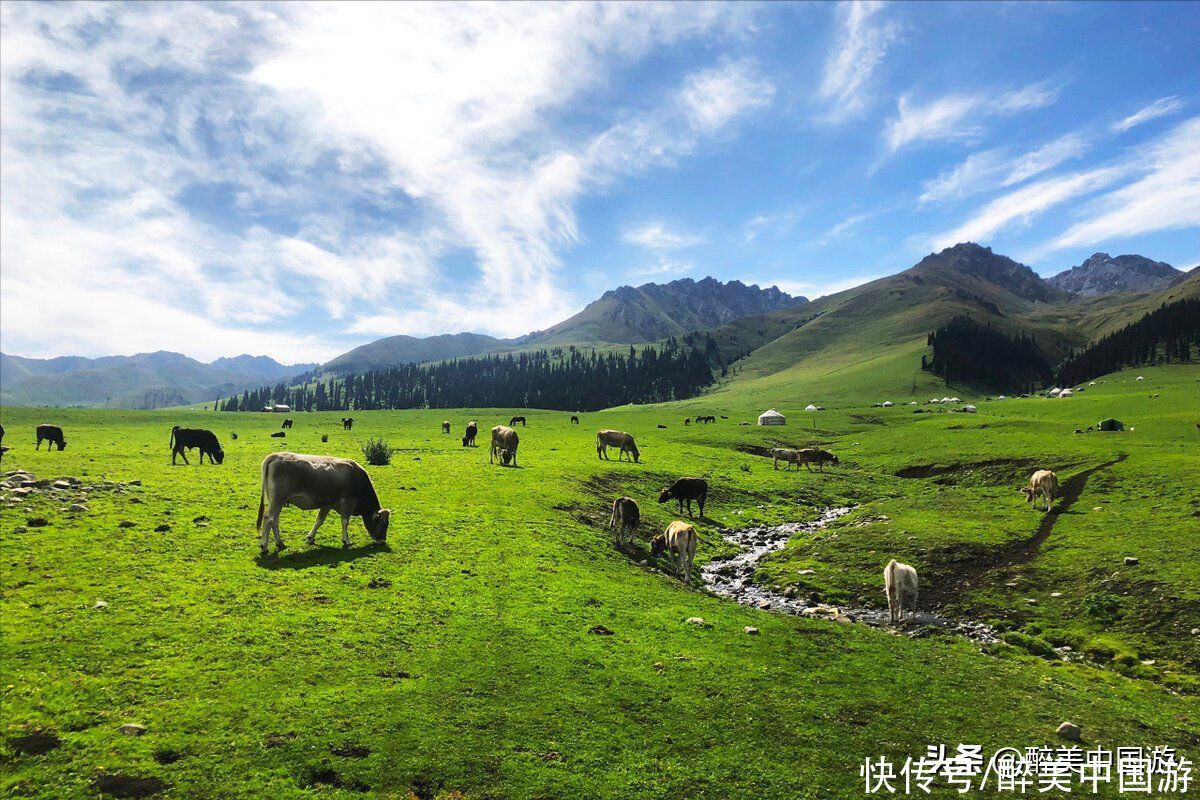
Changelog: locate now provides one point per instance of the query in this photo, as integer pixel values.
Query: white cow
(679, 542)
(1044, 484)
(900, 584)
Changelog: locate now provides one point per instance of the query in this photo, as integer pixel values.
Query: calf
(788, 457)
(1044, 484)
(322, 483)
(51, 434)
(504, 446)
(686, 490)
(183, 439)
(472, 431)
(625, 518)
(446, 426)
(347, 423)
(900, 584)
(619, 439)
(679, 542)
(287, 423)
(515, 420)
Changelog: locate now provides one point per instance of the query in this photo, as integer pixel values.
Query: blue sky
(297, 179)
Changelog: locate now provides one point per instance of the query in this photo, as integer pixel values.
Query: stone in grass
(132, 729)
(698, 622)
(1056, 594)
(100, 604)
(37, 522)
(1070, 731)
(1131, 561)
(750, 631)
(77, 507)
(807, 572)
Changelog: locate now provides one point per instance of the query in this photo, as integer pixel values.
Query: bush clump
(1102, 606)
(377, 452)
(1031, 644)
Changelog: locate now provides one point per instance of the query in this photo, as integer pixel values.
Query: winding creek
(734, 578)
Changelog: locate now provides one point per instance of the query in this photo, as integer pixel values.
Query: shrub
(1031, 644)
(1102, 606)
(377, 452)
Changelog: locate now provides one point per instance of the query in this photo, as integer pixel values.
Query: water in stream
(734, 578)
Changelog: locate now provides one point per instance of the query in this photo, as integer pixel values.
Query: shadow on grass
(320, 556)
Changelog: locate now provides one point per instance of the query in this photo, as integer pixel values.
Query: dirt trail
(968, 573)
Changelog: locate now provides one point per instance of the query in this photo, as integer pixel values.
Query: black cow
(183, 439)
(287, 423)
(472, 432)
(686, 489)
(446, 426)
(51, 434)
(347, 423)
(574, 420)
(515, 420)
(278, 435)
(664, 427)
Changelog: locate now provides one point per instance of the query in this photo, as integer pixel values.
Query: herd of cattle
(326, 483)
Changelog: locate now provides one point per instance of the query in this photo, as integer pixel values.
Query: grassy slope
(474, 670)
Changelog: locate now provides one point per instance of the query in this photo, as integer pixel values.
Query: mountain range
(144, 380)
(791, 339)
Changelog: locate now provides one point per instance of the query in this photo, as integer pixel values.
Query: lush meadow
(461, 656)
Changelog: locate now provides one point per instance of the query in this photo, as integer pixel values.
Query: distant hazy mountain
(1104, 274)
(626, 315)
(145, 380)
(652, 311)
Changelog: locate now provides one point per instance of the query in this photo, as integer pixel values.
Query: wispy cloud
(656, 236)
(1166, 196)
(113, 117)
(859, 50)
(666, 266)
(997, 168)
(777, 224)
(1159, 108)
(841, 229)
(959, 116)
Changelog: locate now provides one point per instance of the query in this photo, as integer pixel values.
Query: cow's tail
(171, 444)
(262, 493)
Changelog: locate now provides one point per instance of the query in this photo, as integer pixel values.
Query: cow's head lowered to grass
(377, 524)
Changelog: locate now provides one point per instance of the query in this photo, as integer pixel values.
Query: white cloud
(656, 236)
(307, 111)
(959, 116)
(666, 266)
(990, 169)
(714, 97)
(1159, 108)
(860, 50)
(814, 289)
(775, 224)
(842, 228)
(1027, 202)
(1165, 197)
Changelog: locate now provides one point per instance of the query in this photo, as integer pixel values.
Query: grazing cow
(1044, 484)
(687, 421)
(900, 585)
(287, 423)
(504, 445)
(664, 427)
(619, 439)
(233, 435)
(724, 417)
(686, 490)
(472, 432)
(279, 435)
(445, 426)
(184, 439)
(323, 483)
(788, 457)
(347, 423)
(815, 455)
(574, 419)
(515, 420)
(625, 518)
(53, 435)
(678, 541)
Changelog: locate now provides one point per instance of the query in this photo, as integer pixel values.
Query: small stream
(734, 578)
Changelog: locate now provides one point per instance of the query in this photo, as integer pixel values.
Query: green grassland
(460, 657)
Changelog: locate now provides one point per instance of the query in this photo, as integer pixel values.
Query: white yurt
(947, 400)
(811, 407)
(1141, 377)
(1001, 397)
(771, 417)
(888, 404)
(1066, 393)
(1055, 392)
(969, 409)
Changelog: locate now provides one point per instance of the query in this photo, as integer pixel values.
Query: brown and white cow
(504, 445)
(1044, 484)
(323, 483)
(678, 541)
(625, 518)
